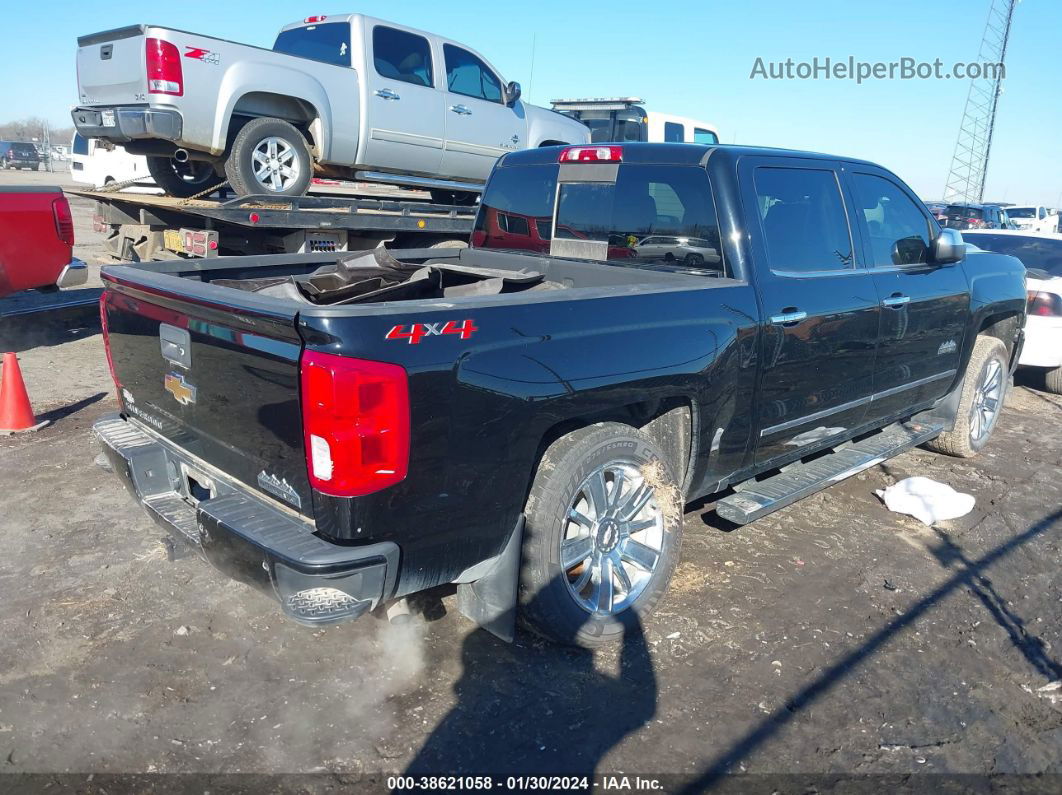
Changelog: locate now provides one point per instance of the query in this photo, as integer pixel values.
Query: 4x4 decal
(419, 331)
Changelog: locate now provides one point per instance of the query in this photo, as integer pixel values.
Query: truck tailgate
(111, 67)
(218, 380)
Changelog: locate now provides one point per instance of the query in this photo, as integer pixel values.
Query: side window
(704, 136)
(674, 133)
(1043, 213)
(468, 75)
(402, 56)
(899, 231)
(804, 222)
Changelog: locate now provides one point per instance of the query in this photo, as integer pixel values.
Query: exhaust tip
(181, 155)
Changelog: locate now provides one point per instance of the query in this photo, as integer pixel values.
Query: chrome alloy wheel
(612, 539)
(275, 164)
(987, 401)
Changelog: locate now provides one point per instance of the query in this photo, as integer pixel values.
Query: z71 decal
(206, 56)
(419, 331)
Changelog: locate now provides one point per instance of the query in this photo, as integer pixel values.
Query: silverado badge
(182, 391)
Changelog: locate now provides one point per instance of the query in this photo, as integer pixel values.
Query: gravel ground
(832, 639)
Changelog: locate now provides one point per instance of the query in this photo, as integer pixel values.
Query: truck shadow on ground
(567, 722)
(969, 574)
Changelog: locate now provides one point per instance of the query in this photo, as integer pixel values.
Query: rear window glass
(516, 211)
(80, 145)
(1040, 253)
(22, 150)
(1021, 212)
(652, 216)
(328, 43)
(965, 212)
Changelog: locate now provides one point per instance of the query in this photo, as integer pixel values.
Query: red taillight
(355, 416)
(591, 154)
(1045, 304)
(64, 222)
(318, 18)
(107, 340)
(164, 73)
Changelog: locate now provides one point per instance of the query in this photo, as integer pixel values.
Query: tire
(181, 180)
(460, 198)
(449, 243)
(971, 432)
(295, 169)
(1053, 380)
(551, 598)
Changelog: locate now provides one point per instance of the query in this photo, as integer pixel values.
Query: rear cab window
(327, 43)
(803, 217)
(655, 216)
(399, 55)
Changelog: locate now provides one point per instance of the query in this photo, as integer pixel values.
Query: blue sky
(689, 58)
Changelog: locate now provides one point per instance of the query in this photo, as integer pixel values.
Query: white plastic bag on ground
(928, 501)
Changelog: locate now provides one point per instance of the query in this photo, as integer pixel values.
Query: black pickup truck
(633, 327)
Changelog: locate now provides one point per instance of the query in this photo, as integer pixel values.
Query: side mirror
(512, 93)
(948, 247)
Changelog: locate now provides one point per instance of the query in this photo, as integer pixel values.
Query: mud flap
(490, 601)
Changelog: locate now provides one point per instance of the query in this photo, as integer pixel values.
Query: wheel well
(1003, 327)
(258, 104)
(668, 422)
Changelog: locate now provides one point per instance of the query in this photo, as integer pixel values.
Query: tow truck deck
(142, 227)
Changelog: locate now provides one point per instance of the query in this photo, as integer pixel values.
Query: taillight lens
(64, 222)
(107, 340)
(355, 416)
(1045, 304)
(591, 154)
(164, 73)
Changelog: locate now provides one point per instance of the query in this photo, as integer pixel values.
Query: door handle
(896, 301)
(387, 93)
(461, 109)
(788, 318)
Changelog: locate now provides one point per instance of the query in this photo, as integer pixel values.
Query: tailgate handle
(105, 52)
(176, 344)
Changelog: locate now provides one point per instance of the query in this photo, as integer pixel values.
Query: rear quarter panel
(31, 253)
(482, 407)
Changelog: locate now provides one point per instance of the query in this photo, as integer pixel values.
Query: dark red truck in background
(36, 240)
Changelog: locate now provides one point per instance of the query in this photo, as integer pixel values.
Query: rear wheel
(182, 180)
(602, 535)
(984, 388)
(1053, 379)
(269, 156)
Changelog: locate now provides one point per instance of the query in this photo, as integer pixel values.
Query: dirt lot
(832, 639)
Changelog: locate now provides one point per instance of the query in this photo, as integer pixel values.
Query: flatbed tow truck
(141, 227)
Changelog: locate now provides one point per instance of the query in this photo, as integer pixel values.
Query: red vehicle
(37, 240)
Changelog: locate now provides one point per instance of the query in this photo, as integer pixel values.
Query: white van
(667, 128)
(621, 119)
(92, 163)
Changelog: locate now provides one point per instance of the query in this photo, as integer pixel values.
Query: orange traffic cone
(16, 413)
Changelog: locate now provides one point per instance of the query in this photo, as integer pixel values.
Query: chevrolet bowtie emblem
(182, 391)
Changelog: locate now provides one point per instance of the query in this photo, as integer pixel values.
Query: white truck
(1034, 218)
(346, 96)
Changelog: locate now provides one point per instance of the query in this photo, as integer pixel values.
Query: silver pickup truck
(339, 96)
